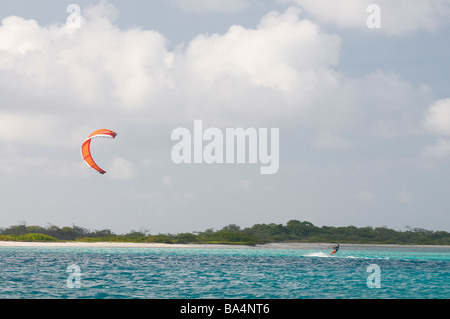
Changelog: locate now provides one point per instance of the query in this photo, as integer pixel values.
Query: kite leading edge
(86, 148)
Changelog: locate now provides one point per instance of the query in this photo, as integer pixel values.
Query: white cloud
(17, 165)
(121, 169)
(183, 198)
(390, 104)
(36, 128)
(283, 69)
(398, 17)
(167, 182)
(41, 165)
(380, 103)
(440, 149)
(245, 185)
(12, 126)
(404, 197)
(274, 70)
(99, 57)
(365, 196)
(208, 6)
(437, 117)
(269, 72)
(327, 141)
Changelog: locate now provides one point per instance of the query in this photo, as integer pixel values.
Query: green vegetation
(28, 237)
(293, 231)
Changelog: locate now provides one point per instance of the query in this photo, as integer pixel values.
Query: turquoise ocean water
(277, 271)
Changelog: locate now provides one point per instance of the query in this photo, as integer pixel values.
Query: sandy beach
(162, 245)
(112, 245)
(99, 244)
(153, 245)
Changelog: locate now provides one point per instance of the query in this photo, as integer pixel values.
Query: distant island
(293, 231)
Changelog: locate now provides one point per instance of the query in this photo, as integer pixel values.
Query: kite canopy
(86, 147)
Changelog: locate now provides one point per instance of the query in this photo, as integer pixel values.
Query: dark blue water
(274, 271)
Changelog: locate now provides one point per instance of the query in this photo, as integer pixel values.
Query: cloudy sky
(363, 112)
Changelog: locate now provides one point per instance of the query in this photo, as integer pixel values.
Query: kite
(86, 148)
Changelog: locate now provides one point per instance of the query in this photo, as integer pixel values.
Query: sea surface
(276, 271)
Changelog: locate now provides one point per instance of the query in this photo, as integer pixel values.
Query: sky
(359, 93)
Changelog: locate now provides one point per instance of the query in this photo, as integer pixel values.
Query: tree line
(293, 231)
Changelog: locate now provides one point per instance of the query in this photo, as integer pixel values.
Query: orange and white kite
(86, 148)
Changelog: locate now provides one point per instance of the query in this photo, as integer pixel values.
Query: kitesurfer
(335, 249)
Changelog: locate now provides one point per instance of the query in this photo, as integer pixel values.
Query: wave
(318, 254)
(327, 255)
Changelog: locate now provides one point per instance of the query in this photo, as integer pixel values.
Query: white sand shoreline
(99, 244)
(162, 245)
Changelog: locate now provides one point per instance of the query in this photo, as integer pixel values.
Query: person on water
(335, 249)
